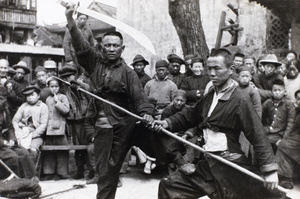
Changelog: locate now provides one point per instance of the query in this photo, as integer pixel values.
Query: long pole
(12, 174)
(235, 166)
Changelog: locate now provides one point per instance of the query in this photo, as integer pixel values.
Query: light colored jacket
(57, 114)
(39, 114)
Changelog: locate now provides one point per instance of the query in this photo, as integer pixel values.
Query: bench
(56, 148)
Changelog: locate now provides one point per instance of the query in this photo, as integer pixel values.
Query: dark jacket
(264, 85)
(177, 79)
(6, 128)
(45, 91)
(119, 83)
(232, 114)
(144, 78)
(278, 119)
(193, 83)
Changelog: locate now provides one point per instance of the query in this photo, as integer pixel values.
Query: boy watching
(30, 121)
(248, 88)
(277, 114)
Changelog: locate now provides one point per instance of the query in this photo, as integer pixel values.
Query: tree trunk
(186, 18)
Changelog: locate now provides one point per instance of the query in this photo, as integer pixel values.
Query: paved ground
(136, 185)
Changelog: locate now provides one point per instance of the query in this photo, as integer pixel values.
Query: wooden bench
(38, 165)
(63, 147)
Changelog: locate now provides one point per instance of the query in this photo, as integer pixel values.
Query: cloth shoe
(187, 168)
(90, 175)
(94, 180)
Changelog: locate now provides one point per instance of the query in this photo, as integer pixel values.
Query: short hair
(113, 33)
(279, 82)
(179, 93)
(294, 62)
(238, 54)
(225, 54)
(296, 93)
(251, 57)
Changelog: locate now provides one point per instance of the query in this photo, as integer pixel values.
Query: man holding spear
(221, 115)
(114, 81)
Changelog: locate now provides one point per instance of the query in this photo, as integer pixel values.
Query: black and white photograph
(150, 99)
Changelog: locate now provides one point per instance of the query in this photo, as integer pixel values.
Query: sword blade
(140, 37)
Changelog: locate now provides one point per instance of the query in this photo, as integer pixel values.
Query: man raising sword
(112, 80)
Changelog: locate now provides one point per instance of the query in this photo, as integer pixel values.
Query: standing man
(175, 75)
(139, 63)
(41, 77)
(160, 87)
(264, 81)
(113, 80)
(221, 115)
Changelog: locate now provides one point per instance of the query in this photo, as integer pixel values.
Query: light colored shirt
(291, 86)
(215, 141)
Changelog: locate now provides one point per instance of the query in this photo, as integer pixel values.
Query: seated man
(160, 87)
(30, 121)
(14, 156)
(222, 114)
(287, 156)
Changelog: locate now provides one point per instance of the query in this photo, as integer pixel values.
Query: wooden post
(220, 32)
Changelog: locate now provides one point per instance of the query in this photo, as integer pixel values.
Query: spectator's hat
(188, 57)
(30, 89)
(244, 68)
(139, 58)
(175, 58)
(196, 59)
(3, 91)
(23, 65)
(67, 71)
(11, 71)
(39, 69)
(161, 63)
(239, 54)
(49, 64)
(270, 59)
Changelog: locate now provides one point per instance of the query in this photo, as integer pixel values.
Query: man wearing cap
(30, 121)
(221, 115)
(175, 75)
(139, 63)
(3, 71)
(111, 79)
(41, 76)
(75, 119)
(14, 156)
(264, 81)
(195, 84)
(160, 87)
(51, 68)
(21, 70)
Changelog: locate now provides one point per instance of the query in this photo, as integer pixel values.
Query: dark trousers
(111, 146)
(18, 160)
(216, 180)
(56, 162)
(76, 129)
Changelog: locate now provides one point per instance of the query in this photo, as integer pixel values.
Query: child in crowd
(55, 163)
(174, 148)
(288, 156)
(30, 121)
(277, 114)
(248, 89)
